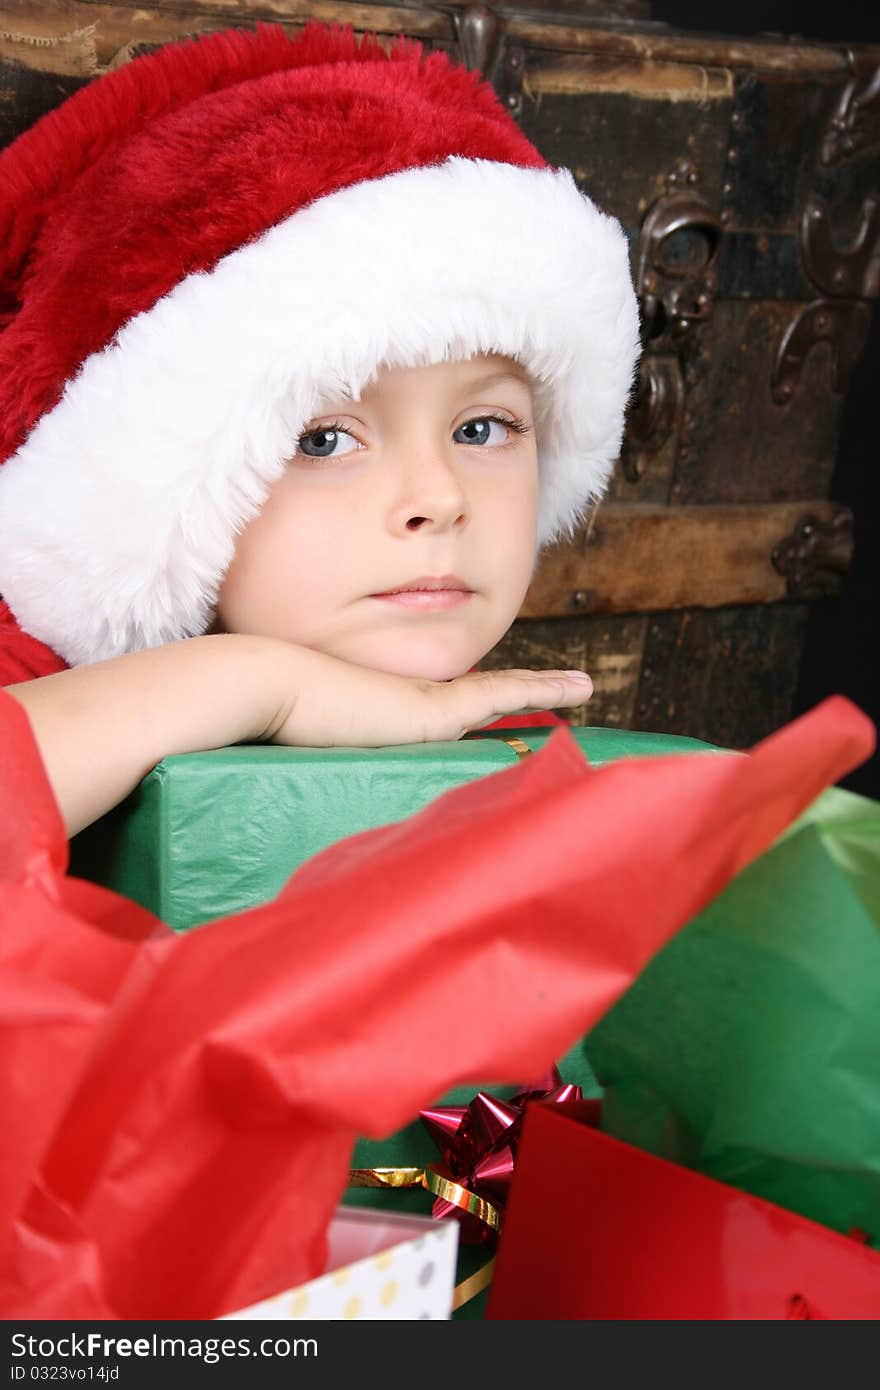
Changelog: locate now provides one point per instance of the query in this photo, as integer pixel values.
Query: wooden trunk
(745, 174)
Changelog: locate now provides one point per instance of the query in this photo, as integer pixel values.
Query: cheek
(286, 559)
(514, 520)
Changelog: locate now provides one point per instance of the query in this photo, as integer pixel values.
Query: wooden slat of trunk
(727, 675)
(610, 649)
(587, 73)
(742, 446)
(163, 20)
(643, 559)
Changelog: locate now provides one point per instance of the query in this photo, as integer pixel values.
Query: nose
(430, 493)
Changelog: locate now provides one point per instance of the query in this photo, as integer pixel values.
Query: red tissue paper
(183, 1107)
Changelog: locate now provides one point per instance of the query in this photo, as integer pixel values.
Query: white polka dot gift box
(379, 1265)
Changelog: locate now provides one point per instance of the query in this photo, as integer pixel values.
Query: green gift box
(205, 835)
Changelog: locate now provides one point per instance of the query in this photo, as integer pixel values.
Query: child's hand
(100, 728)
(338, 704)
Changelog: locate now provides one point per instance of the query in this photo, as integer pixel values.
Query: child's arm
(101, 728)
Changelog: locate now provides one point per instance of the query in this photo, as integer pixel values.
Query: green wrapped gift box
(209, 834)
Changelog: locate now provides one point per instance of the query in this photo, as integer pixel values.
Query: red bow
(478, 1144)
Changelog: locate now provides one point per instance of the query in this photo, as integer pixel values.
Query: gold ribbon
(434, 1182)
(521, 749)
(474, 1284)
(386, 1177)
(451, 1191)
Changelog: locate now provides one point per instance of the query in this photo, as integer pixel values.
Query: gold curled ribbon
(386, 1177)
(474, 1284)
(453, 1192)
(436, 1183)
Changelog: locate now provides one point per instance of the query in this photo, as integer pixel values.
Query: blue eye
(480, 431)
(321, 444)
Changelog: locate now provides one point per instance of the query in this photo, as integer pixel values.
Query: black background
(841, 655)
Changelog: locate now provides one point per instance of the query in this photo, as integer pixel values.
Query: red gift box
(598, 1229)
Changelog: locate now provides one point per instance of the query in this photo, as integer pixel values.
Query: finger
(528, 672)
(501, 693)
(533, 686)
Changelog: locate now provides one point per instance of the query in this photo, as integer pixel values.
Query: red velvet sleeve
(23, 658)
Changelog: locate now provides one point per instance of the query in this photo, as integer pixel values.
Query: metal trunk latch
(815, 557)
(676, 281)
(846, 278)
(481, 35)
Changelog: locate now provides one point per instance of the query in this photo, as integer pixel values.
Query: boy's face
(416, 482)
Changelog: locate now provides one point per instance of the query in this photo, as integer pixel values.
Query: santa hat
(199, 246)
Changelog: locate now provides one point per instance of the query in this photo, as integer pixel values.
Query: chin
(427, 660)
(430, 669)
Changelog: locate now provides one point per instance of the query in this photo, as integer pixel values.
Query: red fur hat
(197, 247)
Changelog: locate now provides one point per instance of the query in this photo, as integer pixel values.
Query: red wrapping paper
(185, 1106)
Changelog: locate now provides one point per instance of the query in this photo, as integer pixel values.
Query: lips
(427, 583)
(428, 592)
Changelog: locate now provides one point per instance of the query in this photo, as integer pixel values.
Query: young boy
(295, 324)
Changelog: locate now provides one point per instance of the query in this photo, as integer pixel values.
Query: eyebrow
(482, 383)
